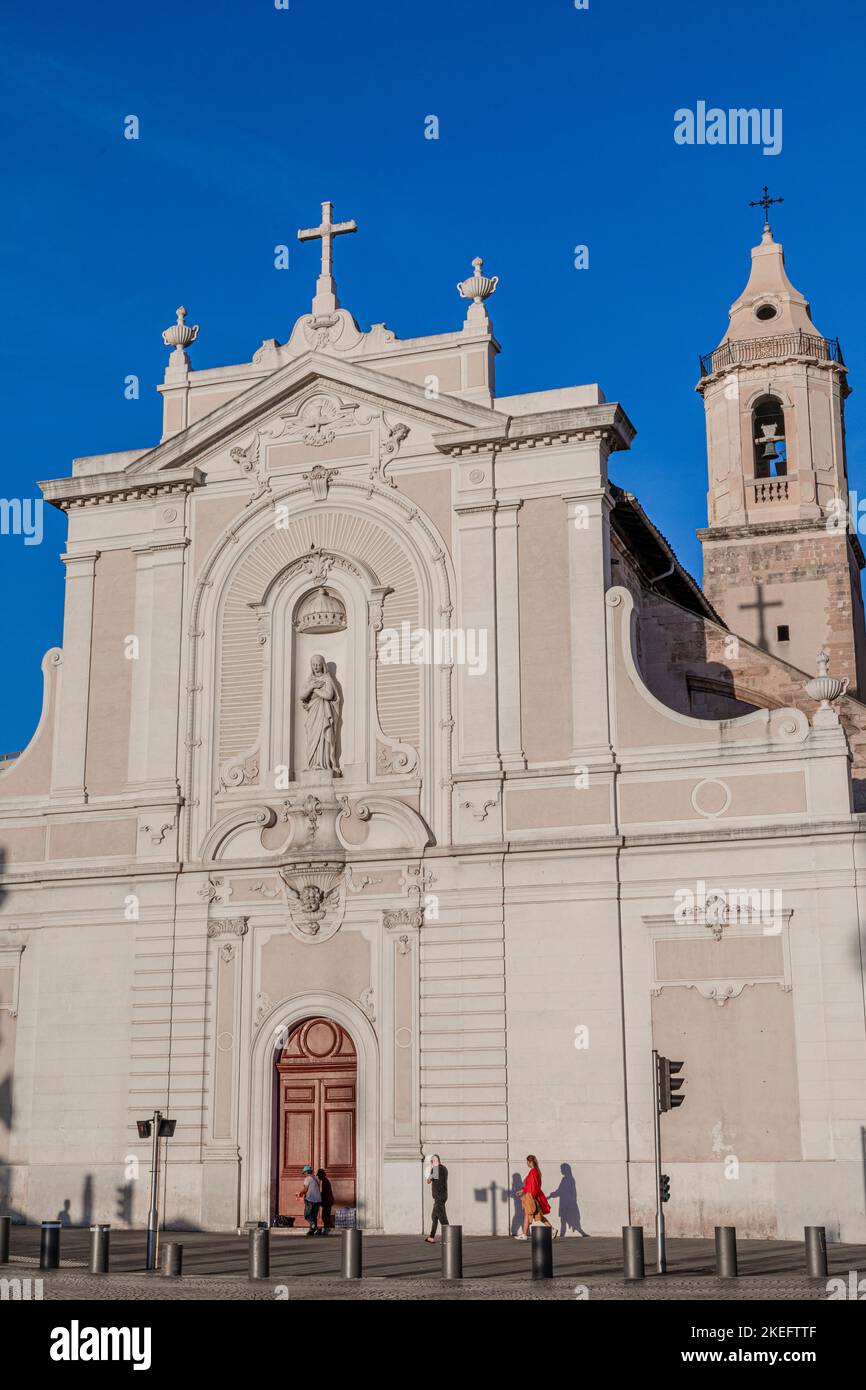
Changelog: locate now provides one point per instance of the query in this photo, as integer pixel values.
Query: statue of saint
(319, 697)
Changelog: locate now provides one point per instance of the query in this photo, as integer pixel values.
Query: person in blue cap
(312, 1195)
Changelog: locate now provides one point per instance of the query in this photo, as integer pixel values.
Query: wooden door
(318, 1073)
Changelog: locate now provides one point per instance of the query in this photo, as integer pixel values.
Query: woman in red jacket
(535, 1204)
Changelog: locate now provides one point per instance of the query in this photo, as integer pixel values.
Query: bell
(769, 450)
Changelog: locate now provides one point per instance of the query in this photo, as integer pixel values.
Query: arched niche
(378, 540)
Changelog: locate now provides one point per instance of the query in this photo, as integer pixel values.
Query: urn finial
(478, 287)
(825, 688)
(180, 335)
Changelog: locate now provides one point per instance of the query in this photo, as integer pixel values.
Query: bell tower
(781, 564)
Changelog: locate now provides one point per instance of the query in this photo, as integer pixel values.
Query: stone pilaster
(156, 678)
(70, 735)
(508, 635)
(589, 578)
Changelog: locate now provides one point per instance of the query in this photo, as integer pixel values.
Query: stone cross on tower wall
(326, 301)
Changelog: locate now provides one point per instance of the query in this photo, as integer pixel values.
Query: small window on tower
(783, 633)
(768, 433)
(766, 311)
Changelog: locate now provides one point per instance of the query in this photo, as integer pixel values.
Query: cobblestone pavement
(405, 1268)
(78, 1286)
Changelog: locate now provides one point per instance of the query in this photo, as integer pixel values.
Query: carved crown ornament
(321, 611)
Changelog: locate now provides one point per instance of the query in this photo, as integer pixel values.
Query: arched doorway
(317, 1076)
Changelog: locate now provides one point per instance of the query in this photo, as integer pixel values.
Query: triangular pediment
(297, 382)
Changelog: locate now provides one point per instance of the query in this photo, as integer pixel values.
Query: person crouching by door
(312, 1195)
(436, 1175)
(535, 1204)
(327, 1192)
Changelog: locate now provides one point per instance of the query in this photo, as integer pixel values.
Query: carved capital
(228, 926)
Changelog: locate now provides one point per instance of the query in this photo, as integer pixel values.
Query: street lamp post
(157, 1128)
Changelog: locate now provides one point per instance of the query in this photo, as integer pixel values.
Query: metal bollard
(49, 1245)
(5, 1231)
(172, 1260)
(816, 1252)
(352, 1264)
(542, 1251)
(452, 1252)
(99, 1238)
(726, 1252)
(260, 1254)
(632, 1252)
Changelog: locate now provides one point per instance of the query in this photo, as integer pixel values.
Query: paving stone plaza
(215, 1267)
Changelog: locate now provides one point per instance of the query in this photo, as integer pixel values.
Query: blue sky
(556, 129)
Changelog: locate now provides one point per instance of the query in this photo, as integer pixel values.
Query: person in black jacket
(437, 1178)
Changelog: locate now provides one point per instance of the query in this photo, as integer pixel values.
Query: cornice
(796, 525)
(93, 489)
(608, 424)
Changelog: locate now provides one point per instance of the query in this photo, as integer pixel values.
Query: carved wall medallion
(317, 420)
(315, 894)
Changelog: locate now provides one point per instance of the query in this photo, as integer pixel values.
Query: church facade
(396, 791)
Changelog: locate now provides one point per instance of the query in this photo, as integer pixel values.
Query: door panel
(317, 1092)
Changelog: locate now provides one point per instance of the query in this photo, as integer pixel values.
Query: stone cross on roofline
(326, 301)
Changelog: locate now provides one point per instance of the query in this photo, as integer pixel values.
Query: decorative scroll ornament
(157, 831)
(248, 461)
(391, 437)
(481, 812)
(478, 287)
(317, 563)
(239, 772)
(215, 890)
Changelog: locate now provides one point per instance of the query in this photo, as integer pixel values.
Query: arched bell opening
(768, 434)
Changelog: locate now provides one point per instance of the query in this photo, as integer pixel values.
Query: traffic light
(665, 1185)
(668, 1082)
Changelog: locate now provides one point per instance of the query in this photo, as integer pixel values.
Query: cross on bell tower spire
(326, 301)
(765, 202)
